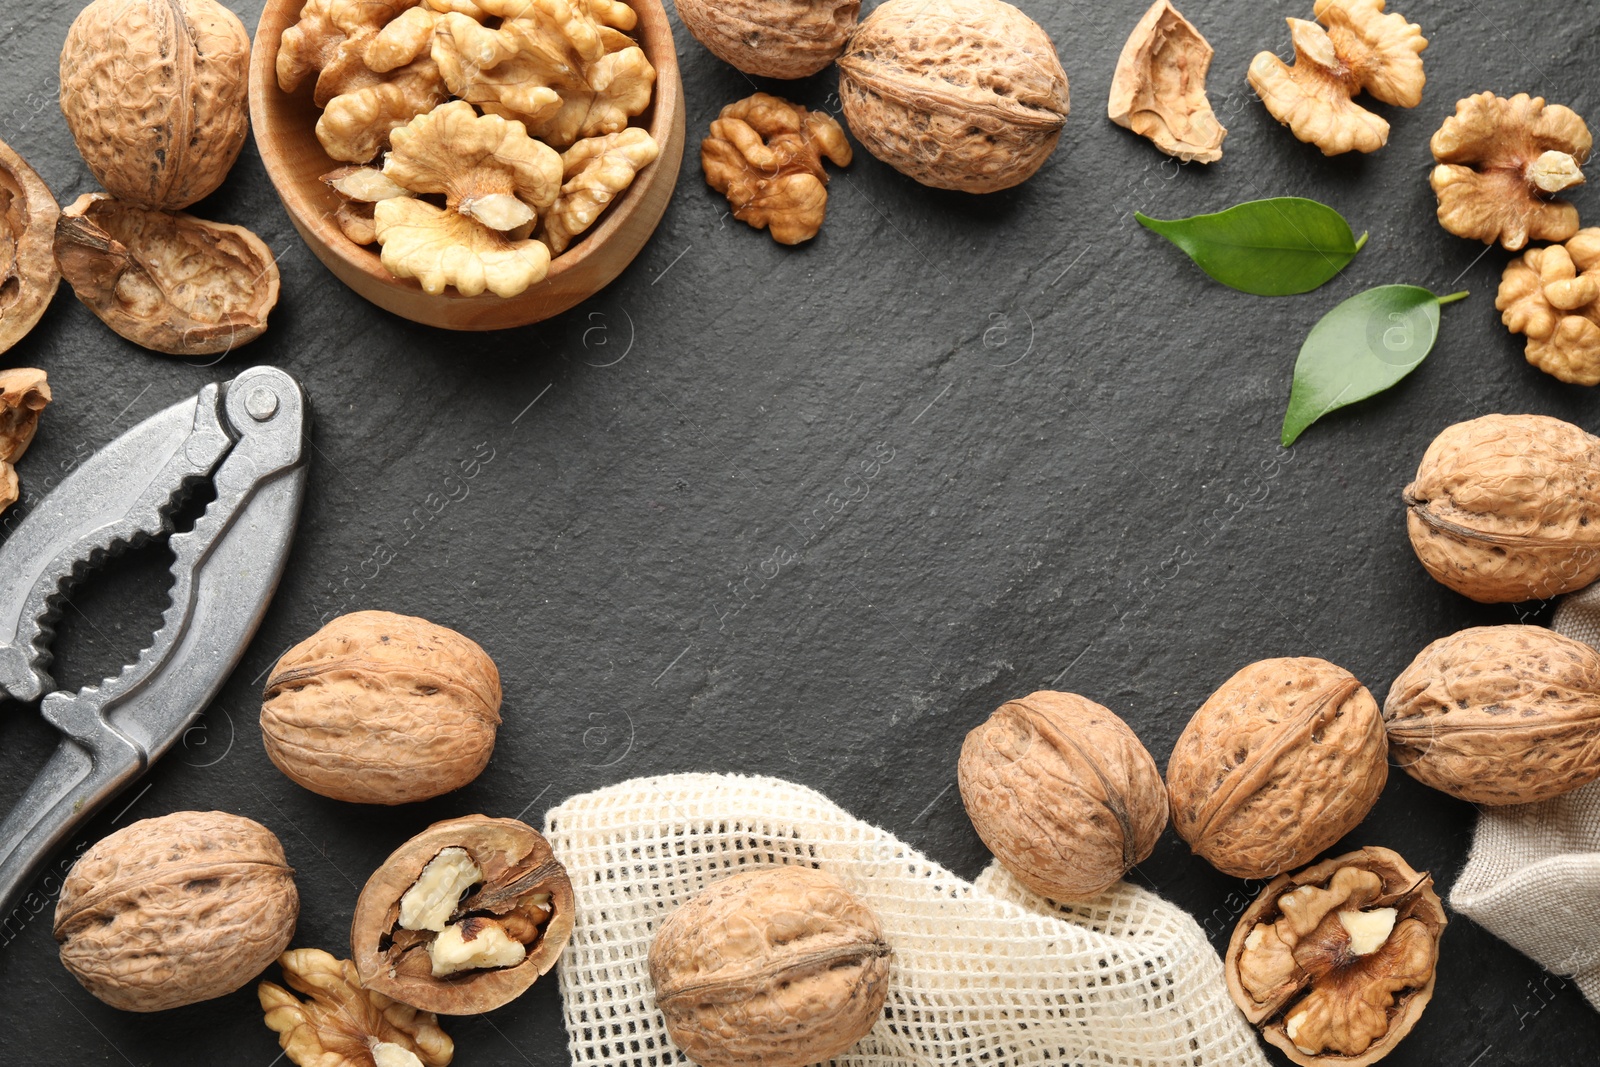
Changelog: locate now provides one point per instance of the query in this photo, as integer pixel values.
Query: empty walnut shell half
(1499, 715)
(1159, 88)
(28, 273)
(1063, 793)
(1335, 963)
(464, 917)
(175, 910)
(165, 280)
(780, 967)
(1282, 761)
(1507, 508)
(957, 94)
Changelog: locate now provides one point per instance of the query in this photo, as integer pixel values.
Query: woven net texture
(1533, 876)
(984, 974)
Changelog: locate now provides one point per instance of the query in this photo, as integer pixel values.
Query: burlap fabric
(983, 973)
(1533, 876)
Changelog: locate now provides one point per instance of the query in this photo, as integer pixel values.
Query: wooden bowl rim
(305, 202)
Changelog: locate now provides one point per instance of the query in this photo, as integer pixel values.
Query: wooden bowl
(285, 131)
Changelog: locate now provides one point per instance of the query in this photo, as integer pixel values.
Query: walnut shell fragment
(378, 708)
(166, 280)
(1501, 162)
(1282, 761)
(780, 967)
(28, 272)
(1499, 715)
(1335, 963)
(342, 1024)
(772, 38)
(24, 392)
(1552, 297)
(426, 916)
(1159, 88)
(1063, 793)
(1506, 508)
(765, 155)
(175, 910)
(957, 94)
(154, 93)
(1361, 50)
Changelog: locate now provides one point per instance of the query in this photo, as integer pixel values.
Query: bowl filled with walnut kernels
(470, 164)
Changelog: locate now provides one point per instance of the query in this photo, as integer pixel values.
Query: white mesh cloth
(984, 974)
(1533, 876)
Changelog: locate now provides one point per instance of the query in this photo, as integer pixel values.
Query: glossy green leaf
(1276, 247)
(1361, 348)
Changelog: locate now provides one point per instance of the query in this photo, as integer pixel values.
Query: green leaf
(1361, 348)
(1276, 247)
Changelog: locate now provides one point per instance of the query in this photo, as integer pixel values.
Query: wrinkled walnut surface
(772, 38)
(957, 94)
(154, 93)
(1360, 50)
(780, 967)
(486, 167)
(595, 171)
(1552, 297)
(24, 392)
(28, 272)
(1498, 715)
(1279, 763)
(166, 280)
(516, 866)
(378, 708)
(175, 910)
(1501, 161)
(1159, 88)
(341, 1024)
(765, 155)
(1063, 793)
(1507, 507)
(1324, 996)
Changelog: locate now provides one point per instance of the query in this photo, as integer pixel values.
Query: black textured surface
(815, 512)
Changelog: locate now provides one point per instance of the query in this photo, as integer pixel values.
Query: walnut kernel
(342, 1024)
(765, 155)
(1552, 296)
(24, 393)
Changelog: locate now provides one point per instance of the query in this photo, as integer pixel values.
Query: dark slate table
(1079, 486)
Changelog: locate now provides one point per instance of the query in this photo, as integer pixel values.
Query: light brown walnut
(464, 917)
(1507, 508)
(1159, 88)
(772, 38)
(780, 967)
(154, 93)
(765, 155)
(1360, 50)
(1281, 762)
(355, 126)
(343, 1024)
(487, 168)
(957, 94)
(175, 910)
(24, 393)
(1552, 297)
(28, 271)
(378, 708)
(1063, 793)
(1501, 162)
(1335, 963)
(1498, 715)
(595, 171)
(165, 280)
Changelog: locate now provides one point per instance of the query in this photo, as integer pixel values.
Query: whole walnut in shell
(378, 708)
(1061, 790)
(772, 38)
(1507, 508)
(176, 910)
(958, 94)
(154, 93)
(1499, 715)
(1282, 761)
(1335, 963)
(772, 968)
